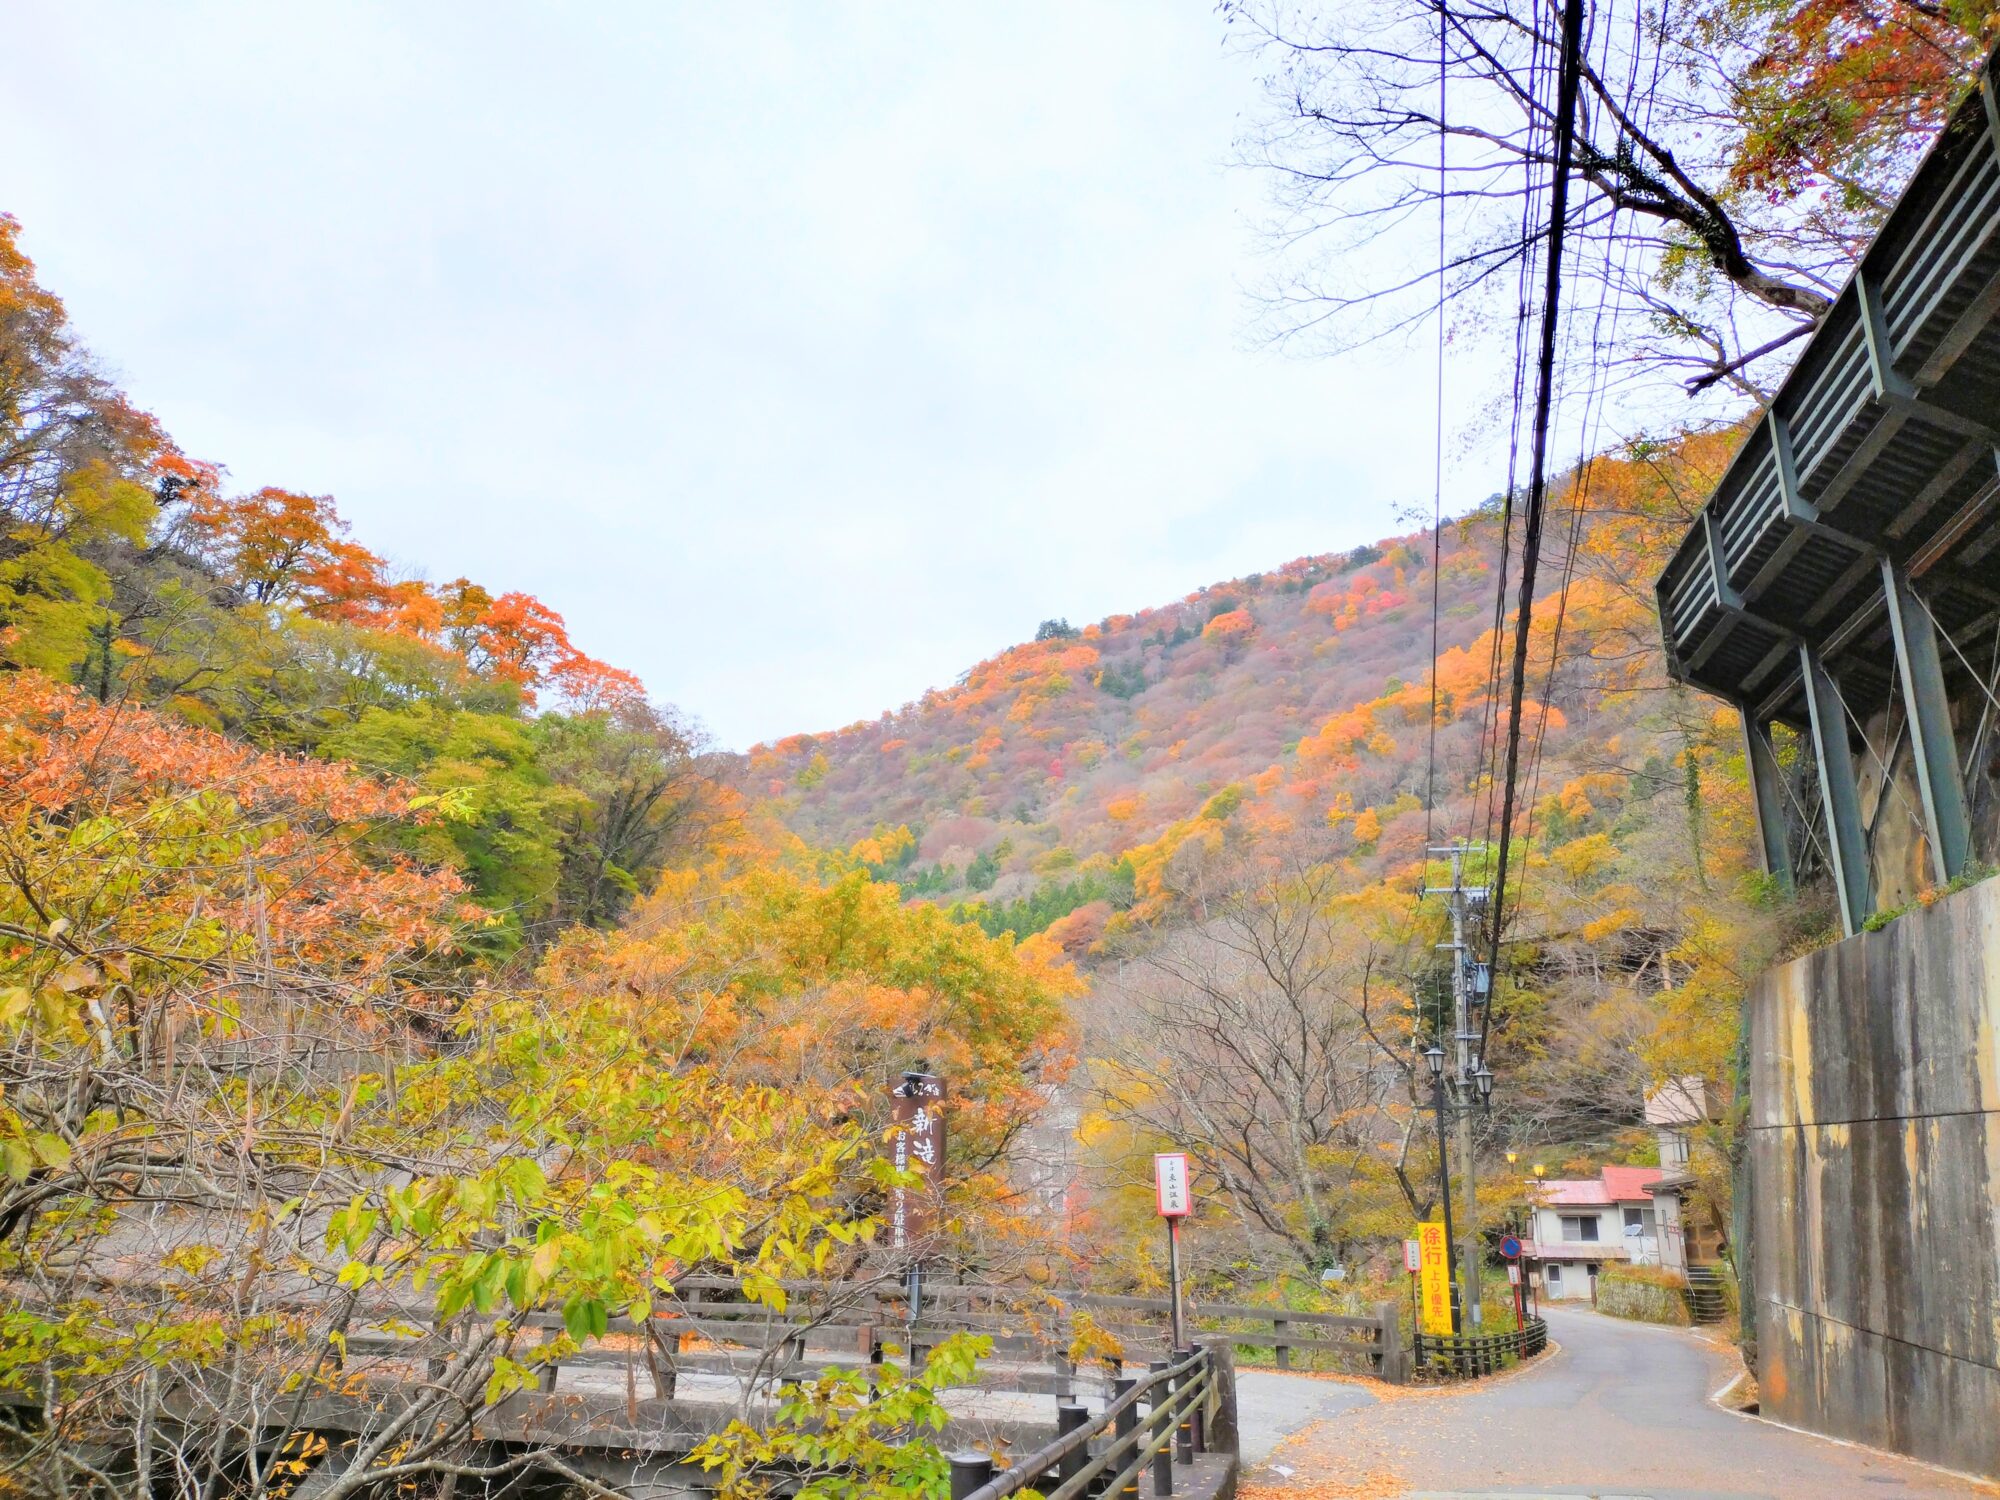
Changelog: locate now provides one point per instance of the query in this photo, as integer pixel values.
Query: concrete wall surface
(1875, 1185)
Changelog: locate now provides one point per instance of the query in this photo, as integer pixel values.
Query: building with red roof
(1577, 1225)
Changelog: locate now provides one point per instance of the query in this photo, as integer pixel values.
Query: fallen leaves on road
(1381, 1390)
(1378, 1484)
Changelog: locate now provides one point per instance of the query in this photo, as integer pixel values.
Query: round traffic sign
(1510, 1246)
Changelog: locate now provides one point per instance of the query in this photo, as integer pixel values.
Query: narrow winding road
(1619, 1411)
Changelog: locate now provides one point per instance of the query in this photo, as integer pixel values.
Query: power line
(1567, 87)
(1589, 441)
(1488, 750)
(1437, 451)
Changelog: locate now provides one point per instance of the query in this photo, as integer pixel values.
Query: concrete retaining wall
(1641, 1301)
(1875, 1185)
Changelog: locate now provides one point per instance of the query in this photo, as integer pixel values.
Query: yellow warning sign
(1434, 1279)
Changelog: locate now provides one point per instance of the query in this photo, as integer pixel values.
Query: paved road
(1620, 1411)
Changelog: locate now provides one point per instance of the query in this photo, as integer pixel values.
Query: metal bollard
(1069, 1417)
(1163, 1459)
(969, 1472)
(1126, 1425)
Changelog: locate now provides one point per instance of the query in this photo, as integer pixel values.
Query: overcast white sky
(800, 355)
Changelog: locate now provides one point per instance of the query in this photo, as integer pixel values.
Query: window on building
(1580, 1228)
(1643, 1220)
(1673, 1149)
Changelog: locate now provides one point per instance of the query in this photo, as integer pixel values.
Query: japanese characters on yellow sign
(1434, 1279)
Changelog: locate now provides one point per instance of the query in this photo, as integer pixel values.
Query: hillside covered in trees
(1044, 764)
(1297, 701)
(1220, 808)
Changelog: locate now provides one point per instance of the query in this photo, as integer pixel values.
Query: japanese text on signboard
(1170, 1185)
(1434, 1279)
(918, 1114)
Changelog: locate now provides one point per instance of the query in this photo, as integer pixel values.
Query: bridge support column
(1767, 797)
(1947, 828)
(1839, 793)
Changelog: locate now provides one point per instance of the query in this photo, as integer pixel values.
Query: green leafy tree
(646, 796)
(982, 872)
(502, 815)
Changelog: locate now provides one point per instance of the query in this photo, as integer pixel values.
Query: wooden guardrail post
(661, 1348)
(1069, 1417)
(1126, 1425)
(1184, 1425)
(1163, 1456)
(1279, 1347)
(1392, 1361)
(1223, 1434)
(1198, 1411)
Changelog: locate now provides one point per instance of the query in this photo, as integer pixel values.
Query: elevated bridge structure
(1844, 578)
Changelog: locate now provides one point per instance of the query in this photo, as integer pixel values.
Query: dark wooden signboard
(918, 1113)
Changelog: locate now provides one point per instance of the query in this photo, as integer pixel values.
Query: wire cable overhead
(1567, 88)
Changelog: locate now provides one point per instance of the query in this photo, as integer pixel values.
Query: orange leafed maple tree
(283, 548)
(128, 837)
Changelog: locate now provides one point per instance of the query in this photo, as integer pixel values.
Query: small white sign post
(1175, 1202)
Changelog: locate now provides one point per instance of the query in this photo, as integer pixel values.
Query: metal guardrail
(1188, 1400)
(1480, 1354)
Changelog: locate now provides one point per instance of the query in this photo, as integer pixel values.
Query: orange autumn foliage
(777, 977)
(149, 840)
(1232, 625)
(282, 548)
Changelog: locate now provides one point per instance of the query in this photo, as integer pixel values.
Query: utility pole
(1470, 1082)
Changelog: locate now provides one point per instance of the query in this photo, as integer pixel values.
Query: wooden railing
(1190, 1410)
(829, 1323)
(1480, 1354)
(1370, 1345)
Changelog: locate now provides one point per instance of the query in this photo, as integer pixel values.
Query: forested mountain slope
(1064, 772)
(1089, 741)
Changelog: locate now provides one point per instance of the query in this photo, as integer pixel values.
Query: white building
(1626, 1214)
(1673, 1110)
